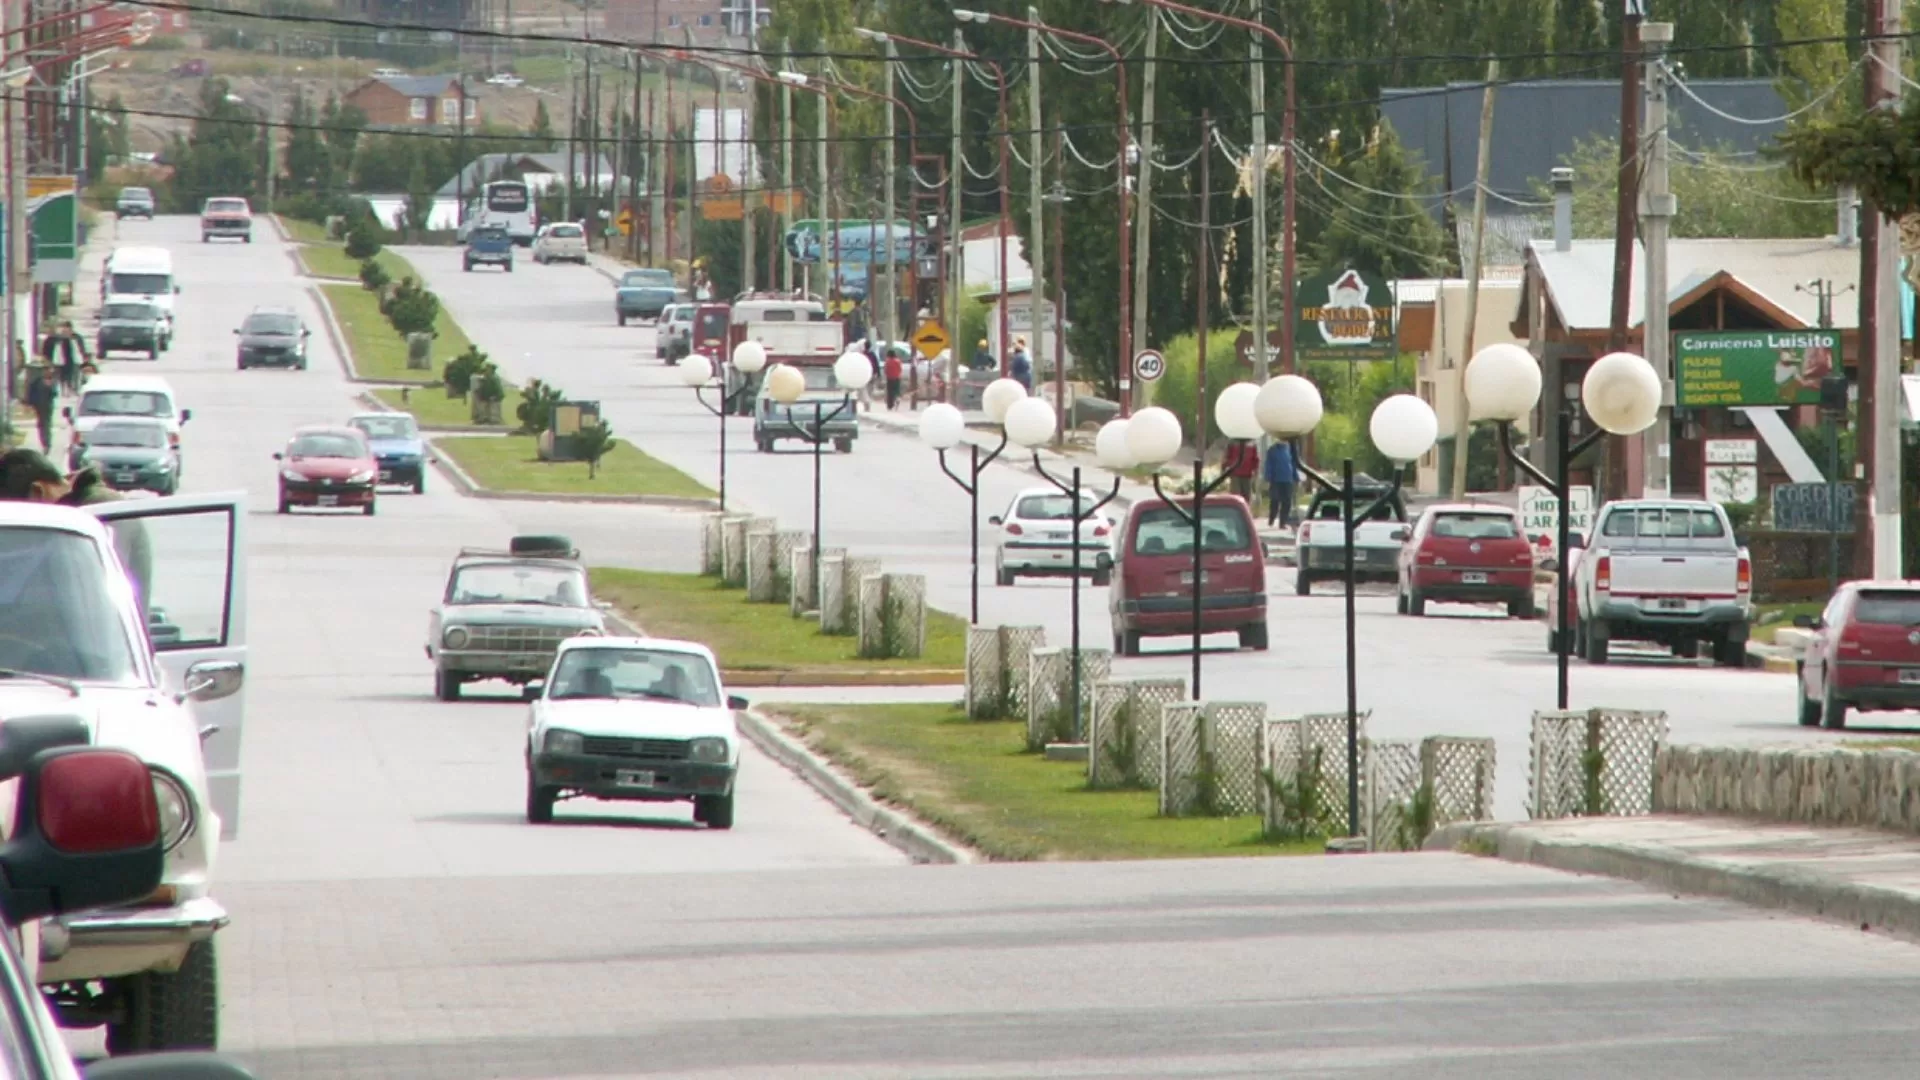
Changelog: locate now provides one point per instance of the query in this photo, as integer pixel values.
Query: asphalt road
(393, 918)
(1464, 670)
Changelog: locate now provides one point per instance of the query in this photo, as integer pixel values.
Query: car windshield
(565, 232)
(1667, 522)
(142, 284)
(127, 435)
(123, 403)
(58, 616)
(1475, 527)
(1332, 510)
(518, 583)
(271, 323)
(136, 194)
(1163, 531)
(637, 279)
(1056, 507)
(713, 324)
(397, 426)
(326, 446)
(131, 312)
(660, 674)
(1889, 607)
(226, 206)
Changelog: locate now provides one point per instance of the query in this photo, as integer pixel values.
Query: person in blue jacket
(1281, 475)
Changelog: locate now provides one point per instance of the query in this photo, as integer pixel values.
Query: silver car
(673, 332)
(505, 613)
(562, 241)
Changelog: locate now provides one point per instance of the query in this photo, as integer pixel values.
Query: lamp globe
(749, 357)
(1288, 405)
(1030, 422)
(999, 396)
(853, 370)
(1153, 436)
(785, 384)
(941, 426)
(1110, 446)
(696, 370)
(1622, 393)
(1233, 411)
(1503, 383)
(1403, 427)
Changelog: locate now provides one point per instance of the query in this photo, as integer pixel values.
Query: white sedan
(1036, 537)
(562, 241)
(633, 720)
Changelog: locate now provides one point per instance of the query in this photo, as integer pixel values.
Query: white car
(633, 720)
(505, 78)
(120, 397)
(673, 332)
(1036, 538)
(560, 241)
(131, 617)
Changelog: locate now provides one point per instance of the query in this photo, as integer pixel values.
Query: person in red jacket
(1241, 462)
(893, 372)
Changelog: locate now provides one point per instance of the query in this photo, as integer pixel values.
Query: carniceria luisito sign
(1753, 367)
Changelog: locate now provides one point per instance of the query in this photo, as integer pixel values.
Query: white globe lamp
(1030, 422)
(999, 396)
(852, 371)
(1288, 405)
(785, 384)
(1403, 427)
(1503, 383)
(1622, 393)
(1233, 411)
(1110, 446)
(1153, 436)
(696, 370)
(749, 357)
(941, 426)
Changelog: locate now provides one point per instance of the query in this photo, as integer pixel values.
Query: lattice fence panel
(1392, 782)
(710, 547)
(870, 622)
(1045, 699)
(1622, 743)
(1460, 774)
(833, 592)
(1327, 732)
(784, 545)
(986, 696)
(1017, 644)
(1630, 739)
(800, 581)
(859, 569)
(760, 567)
(1235, 740)
(733, 550)
(1282, 746)
(893, 616)
(1123, 723)
(1179, 739)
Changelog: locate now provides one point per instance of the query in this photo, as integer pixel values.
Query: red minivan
(1865, 653)
(1152, 591)
(1467, 553)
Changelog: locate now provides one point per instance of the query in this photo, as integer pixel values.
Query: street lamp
(785, 384)
(697, 372)
(1621, 392)
(941, 427)
(1030, 423)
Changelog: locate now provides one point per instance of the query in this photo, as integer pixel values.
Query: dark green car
(132, 326)
(131, 453)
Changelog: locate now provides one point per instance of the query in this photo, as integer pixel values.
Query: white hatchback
(1037, 537)
(561, 241)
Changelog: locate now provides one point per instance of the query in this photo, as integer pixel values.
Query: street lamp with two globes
(941, 427)
(697, 372)
(785, 384)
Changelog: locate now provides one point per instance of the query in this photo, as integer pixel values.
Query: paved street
(1460, 671)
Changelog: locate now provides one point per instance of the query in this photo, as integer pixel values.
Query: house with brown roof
(398, 101)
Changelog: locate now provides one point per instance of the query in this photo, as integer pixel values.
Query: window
(513, 583)
(706, 20)
(387, 426)
(1051, 507)
(673, 20)
(1888, 607)
(650, 673)
(148, 436)
(449, 110)
(473, 109)
(1665, 523)
(419, 109)
(186, 606)
(1475, 527)
(1164, 532)
(327, 445)
(57, 612)
(124, 403)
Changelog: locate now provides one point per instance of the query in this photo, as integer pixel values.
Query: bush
(537, 402)
(363, 241)
(373, 276)
(487, 383)
(459, 372)
(1177, 390)
(412, 309)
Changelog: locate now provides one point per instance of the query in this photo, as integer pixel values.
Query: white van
(108, 397)
(143, 272)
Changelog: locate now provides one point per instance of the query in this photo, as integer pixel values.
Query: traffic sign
(625, 222)
(1149, 365)
(931, 339)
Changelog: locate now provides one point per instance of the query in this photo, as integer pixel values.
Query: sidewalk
(1860, 877)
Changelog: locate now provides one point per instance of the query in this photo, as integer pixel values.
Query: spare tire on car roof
(541, 545)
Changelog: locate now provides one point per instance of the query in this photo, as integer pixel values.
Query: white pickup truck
(1319, 544)
(1668, 572)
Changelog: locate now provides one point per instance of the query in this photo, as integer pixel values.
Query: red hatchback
(1865, 653)
(1468, 554)
(327, 467)
(1152, 591)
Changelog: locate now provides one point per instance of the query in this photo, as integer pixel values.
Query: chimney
(1562, 209)
(1846, 226)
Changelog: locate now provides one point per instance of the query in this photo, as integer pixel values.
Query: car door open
(186, 556)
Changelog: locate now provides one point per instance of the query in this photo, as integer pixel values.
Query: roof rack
(527, 547)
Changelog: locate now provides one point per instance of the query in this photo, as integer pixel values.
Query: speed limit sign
(1149, 365)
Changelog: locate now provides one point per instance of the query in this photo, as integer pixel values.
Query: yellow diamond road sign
(930, 339)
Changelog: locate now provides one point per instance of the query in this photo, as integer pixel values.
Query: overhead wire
(1813, 103)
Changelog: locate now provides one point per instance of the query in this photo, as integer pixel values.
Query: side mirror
(176, 290)
(236, 331)
(211, 680)
(86, 834)
(736, 703)
(186, 415)
(278, 456)
(177, 1065)
(994, 520)
(1402, 534)
(304, 332)
(1806, 622)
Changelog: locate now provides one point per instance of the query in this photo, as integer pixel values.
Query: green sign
(1753, 367)
(1344, 315)
(55, 228)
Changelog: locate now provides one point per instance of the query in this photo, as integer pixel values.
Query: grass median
(330, 260)
(431, 406)
(511, 463)
(972, 780)
(303, 232)
(763, 638)
(374, 349)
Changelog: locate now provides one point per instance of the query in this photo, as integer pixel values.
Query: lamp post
(785, 384)
(1029, 423)
(941, 427)
(1621, 392)
(697, 372)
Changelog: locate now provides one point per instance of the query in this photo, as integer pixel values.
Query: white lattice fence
(1179, 739)
(733, 550)
(859, 569)
(800, 581)
(760, 566)
(893, 616)
(1235, 737)
(1306, 759)
(1459, 772)
(986, 695)
(784, 545)
(1593, 763)
(1049, 698)
(1016, 656)
(1327, 733)
(1122, 726)
(710, 553)
(1391, 782)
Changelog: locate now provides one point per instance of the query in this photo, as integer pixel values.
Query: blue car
(397, 446)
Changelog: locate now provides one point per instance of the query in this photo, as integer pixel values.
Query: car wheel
(467, 266)
(1400, 600)
(1129, 643)
(285, 506)
(1833, 711)
(1597, 643)
(622, 318)
(843, 446)
(420, 482)
(1690, 649)
(1254, 636)
(1521, 608)
(446, 685)
(1003, 576)
(369, 510)
(1809, 708)
(1102, 576)
(540, 802)
(152, 354)
(1416, 604)
(1579, 632)
(715, 810)
(1302, 583)
(509, 268)
(1729, 652)
(178, 1011)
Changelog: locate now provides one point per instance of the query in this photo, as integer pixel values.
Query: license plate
(126, 478)
(1472, 578)
(1186, 578)
(1672, 603)
(632, 778)
(1056, 536)
(328, 500)
(386, 475)
(1910, 676)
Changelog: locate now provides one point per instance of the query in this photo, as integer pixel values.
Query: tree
(419, 199)
(542, 131)
(1717, 196)
(341, 127)
(1808, 71)
(309, 167)
(1388, 237)
(592, 443)
(107, 137)
(221, 156)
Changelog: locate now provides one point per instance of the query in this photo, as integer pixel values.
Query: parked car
(1466, 553)
(132, 324)
(397, 446)
(226, 216)
(504, 613)
(488, 245)
(134, 202)
(644, 294)
(1153, 587)
(132, 454)
(837, 419)
(1319, 543)
(156, 670)
(1037, 538)
(560, 241)
(1668, 572)
(1864, 653)
(505, 78)
(633, 720)
(673, 332)
(327, 466)
(273, 336)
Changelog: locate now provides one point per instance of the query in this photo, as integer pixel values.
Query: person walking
(72, 351)
(42, 396)
(982, 359)
(1020, 365)
(893, 372)
(1240, 463)
(872, 350)
(1281, 475)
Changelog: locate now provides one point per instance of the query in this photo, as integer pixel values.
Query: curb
(952, 677)
(334, 333)
(919, 842)
(469, 486)
(285, 236)
(1893, 911)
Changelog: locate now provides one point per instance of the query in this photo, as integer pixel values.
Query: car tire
(1003, 576)
(177, 1011)
(1597, 643)
(1416, 604)
(1833, 711)
(540, 800)
(1729, 652)
(622, 318)
(1400, 601)
(369, 510)
(1809, 708)
(241, 364)
(285, 506)
(1302, 583)
(843, 446)
(467, 267)
(1690, 650)
(1521, 608)
(1129, 643)
(1254, 636)
(420, 482)
(152, 354)
(1578, 647)
(509, 268)
(1102, 576)
(715, 810)
(446, 685)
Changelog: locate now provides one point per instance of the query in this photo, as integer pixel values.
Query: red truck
(226, 216)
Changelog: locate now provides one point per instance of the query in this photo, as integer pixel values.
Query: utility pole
(1203, 271)
(13, 251)
(749, 183)
(1144, 231)
(573, 134)
(1620, 464)
(459, 164)
(956, 183)
(1462, 426)
(830, 250)
(786, 168)
(1037, 211)
(1878, 440)
(633, 168)
(1656, 212)
(890, 280)
(1257, 177)
(19, 273)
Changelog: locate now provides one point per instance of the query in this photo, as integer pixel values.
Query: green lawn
(434, 409)
(374, 349)
(758, 637)
(329, 260)
(1786, 612)
(303, 232)
(973, 780)
(511, 463)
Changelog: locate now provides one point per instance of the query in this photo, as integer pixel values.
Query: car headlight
(361, 477)
(163, 465)
(455, 637)
(176, 809)
(564, 742)
(708, 750)
(293, 475)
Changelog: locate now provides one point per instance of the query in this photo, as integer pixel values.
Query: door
(186, 556)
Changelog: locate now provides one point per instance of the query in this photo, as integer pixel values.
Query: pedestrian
(73, 352)
(1241, 462)
(856, 324)
(42, 395)
(893, 372)
(982, 358)
(1020, 365)
(1281, 475)
(874, 372)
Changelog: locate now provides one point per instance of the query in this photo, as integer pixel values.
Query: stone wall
(1817, 785)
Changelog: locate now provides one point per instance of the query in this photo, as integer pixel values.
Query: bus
(507, 203)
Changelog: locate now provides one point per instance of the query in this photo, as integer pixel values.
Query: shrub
(373, 276)
(592, 443)
(459, 372)
(362, 241)
(487, 383)
(537, 402)
(412, 309)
